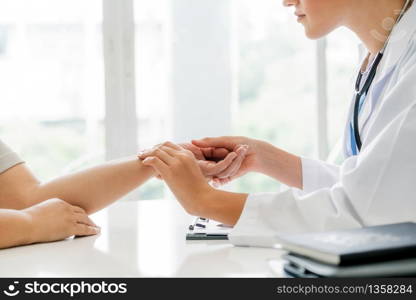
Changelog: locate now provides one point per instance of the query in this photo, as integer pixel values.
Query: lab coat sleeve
(376, 187)
(318, 174)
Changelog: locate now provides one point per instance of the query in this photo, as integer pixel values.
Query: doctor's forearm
(279, 164)
(95, 188)
(222, 206)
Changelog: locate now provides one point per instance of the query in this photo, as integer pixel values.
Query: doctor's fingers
(77, 209)
(171, 145)
(212, 168)
(165, 154)
(84, 230)
(236, 164)
(158, 165)
(227, 142)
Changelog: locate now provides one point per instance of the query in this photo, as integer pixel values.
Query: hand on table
(55, 219)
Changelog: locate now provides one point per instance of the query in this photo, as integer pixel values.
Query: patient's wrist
(145, 170)
(27, 235)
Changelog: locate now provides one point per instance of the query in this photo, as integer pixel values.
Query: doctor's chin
(255, 148)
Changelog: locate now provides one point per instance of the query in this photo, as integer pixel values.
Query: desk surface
(139, 239)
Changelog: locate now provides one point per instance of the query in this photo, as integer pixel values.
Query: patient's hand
(55, 219)
(212, 161)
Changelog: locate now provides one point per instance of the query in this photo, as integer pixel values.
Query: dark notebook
(355, 246)
(300, 266)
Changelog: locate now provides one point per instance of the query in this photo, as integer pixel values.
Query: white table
(140, 239)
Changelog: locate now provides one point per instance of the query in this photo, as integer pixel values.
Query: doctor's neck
(373, 20)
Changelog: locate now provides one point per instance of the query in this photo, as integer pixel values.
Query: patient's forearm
(97, 187)
(14, 228)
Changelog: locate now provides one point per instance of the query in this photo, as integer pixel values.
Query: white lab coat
(376, 187)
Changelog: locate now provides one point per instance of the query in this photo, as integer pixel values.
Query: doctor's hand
(212, 161)
(249, 163)
(179, 168)
(261, 157)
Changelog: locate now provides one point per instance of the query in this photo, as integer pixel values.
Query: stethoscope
(362, 92)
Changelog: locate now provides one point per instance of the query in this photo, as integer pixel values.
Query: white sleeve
(8, 158)
(376, 187)
(318, 174)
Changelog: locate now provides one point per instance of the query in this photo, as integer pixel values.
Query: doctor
(376, 184)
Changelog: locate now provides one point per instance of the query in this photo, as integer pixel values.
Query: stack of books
(377, 251)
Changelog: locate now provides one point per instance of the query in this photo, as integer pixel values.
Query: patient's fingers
(157, 164)
(217, 142)
(220, 152)
(171, 145)
(84, 219)
(215, 154)
(198, 153)
(163, 155)
(172, 152)
(207, 152)
(149, 152)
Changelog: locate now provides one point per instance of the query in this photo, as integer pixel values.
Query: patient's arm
(91, 189)
(14, 228)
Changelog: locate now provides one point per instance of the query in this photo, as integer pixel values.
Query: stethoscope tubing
(359, 93)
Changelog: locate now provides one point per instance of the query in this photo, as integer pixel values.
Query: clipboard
(205, 229)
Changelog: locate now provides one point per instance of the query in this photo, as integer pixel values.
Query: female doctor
(376, 182)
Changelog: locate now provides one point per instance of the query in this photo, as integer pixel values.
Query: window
(277, 85)
(51, 71)
(152, 85)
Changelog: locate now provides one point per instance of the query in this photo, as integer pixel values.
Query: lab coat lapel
(399, 41)
(395, 56)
